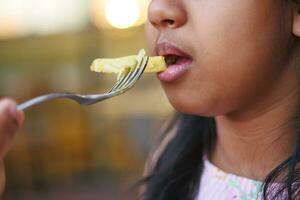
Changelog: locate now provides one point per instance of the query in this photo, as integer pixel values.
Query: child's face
(236, 51)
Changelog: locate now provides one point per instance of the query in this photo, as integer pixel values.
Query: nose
(167, 14)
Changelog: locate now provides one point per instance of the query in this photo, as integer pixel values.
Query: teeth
(171, 60)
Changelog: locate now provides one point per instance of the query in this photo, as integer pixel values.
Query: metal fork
(122, 85)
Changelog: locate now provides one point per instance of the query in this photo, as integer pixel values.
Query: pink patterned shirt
(218, 185)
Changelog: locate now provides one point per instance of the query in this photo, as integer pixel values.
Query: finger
(8, 123)
(10, 120)
(9, 112)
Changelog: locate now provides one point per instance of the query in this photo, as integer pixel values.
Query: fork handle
(42, 98)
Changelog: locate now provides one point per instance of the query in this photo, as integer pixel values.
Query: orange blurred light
(118, 14)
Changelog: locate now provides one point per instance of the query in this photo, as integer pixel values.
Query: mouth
(178, 62)
(171, 59)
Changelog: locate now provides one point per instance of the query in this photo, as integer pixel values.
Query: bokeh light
(122, 13)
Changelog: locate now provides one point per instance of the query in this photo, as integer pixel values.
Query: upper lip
(165, 49)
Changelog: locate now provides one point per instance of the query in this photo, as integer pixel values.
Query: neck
(251, 145)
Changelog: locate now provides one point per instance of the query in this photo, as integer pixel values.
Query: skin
(243, 74)
(10, 121)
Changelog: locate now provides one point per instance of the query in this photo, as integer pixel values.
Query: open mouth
(177, 62)
(171, 59)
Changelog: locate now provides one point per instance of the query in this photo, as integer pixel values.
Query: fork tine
(138, 73)
(125, 79)
(120, 81)
(130, 77)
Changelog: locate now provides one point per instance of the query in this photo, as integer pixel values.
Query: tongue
(180, 61)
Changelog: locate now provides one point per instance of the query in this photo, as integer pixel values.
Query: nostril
(165, 14)
(168, 22)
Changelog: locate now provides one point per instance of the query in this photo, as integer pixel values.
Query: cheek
(237, 58)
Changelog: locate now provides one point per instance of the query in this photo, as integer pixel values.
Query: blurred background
(65, 151)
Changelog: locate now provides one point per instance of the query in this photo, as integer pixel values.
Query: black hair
(178, 170)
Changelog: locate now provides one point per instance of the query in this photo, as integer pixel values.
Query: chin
(187, 106)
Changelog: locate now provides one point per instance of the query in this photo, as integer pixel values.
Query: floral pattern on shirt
(219, 185)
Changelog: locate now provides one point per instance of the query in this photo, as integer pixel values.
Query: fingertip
(6, 102)
(10, 106)
(5, 105)
(16, 114)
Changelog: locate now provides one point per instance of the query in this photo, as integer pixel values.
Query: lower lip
(175, 71)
